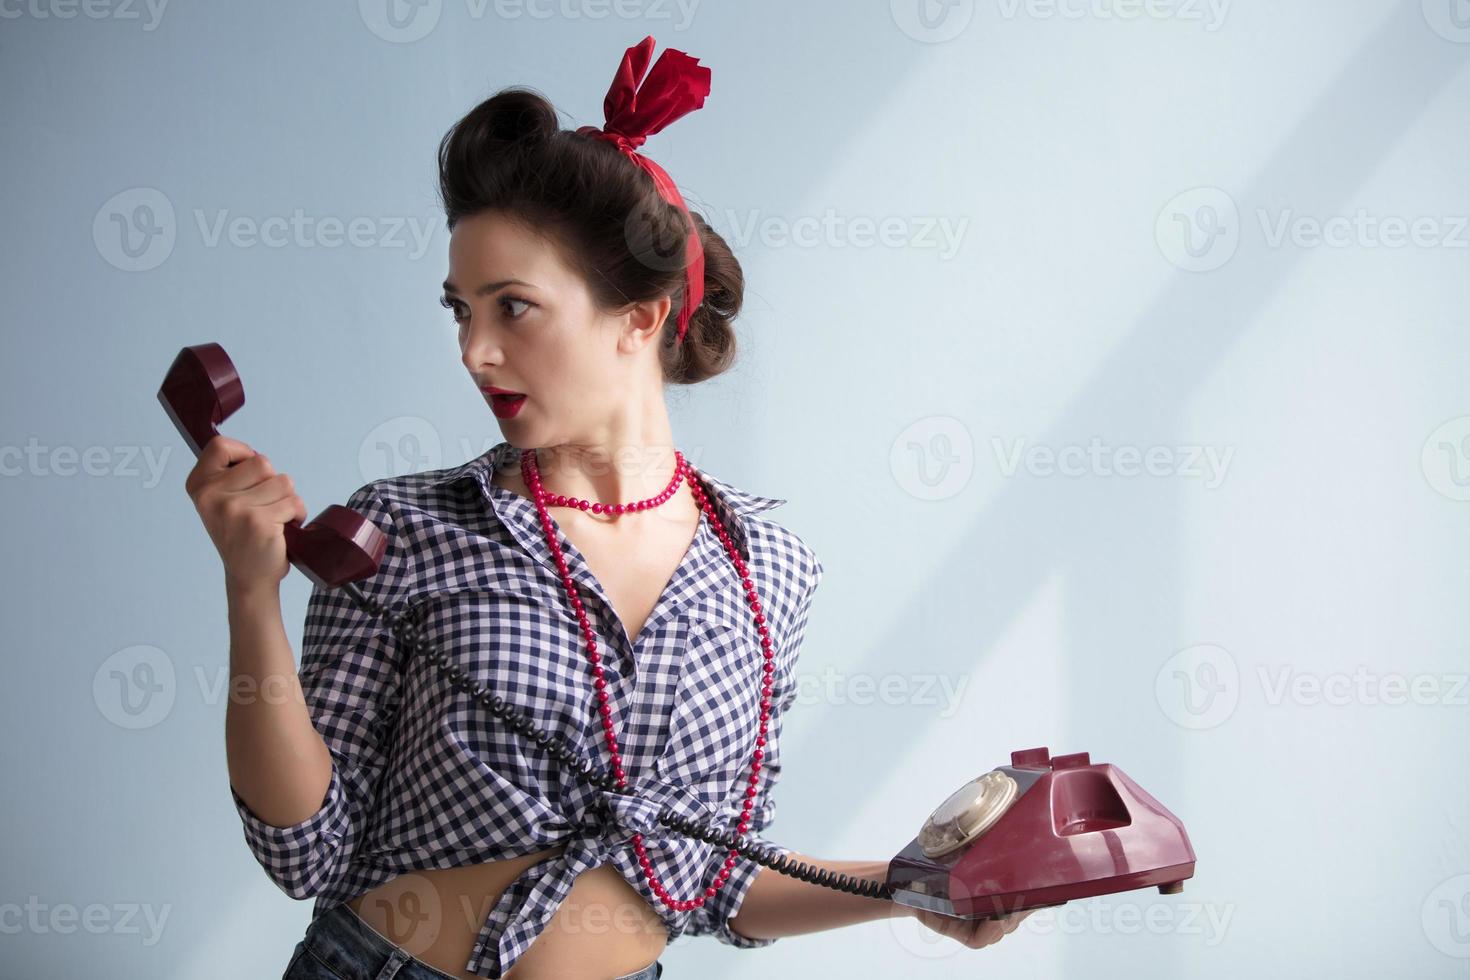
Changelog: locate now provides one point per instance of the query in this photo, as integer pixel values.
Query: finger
(244, 475)
(268, 491)
(285, 510)
(215, 457)
(222, 451)
(945, 925)
(989, 931)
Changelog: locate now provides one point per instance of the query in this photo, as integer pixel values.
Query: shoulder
(409, 503)
(769, 542)
(787, 553)
(421, 490)
(410, 511)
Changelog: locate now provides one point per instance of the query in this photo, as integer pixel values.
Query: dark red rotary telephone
(1037, 833)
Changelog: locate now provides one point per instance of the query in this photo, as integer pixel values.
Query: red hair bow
(675, 87)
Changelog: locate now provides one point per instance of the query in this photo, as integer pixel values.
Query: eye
(516, 299)
(453, 307)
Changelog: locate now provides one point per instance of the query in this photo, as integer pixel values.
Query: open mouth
(504, 404)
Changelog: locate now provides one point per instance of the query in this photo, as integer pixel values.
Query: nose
(479, 348)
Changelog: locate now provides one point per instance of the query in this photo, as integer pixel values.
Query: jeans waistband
(344, 941)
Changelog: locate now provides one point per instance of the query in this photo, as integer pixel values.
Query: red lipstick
(504, 402)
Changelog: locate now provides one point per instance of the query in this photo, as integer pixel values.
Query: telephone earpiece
(200, 391)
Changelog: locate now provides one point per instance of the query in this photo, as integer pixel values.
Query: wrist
(252, 594)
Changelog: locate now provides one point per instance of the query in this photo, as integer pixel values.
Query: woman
(659, 637)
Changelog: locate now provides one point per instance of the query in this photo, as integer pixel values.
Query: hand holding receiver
(244, 505)
(200, 391)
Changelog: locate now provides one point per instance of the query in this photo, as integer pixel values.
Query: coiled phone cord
(407, 631)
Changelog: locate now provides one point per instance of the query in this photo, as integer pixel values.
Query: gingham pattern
(424, 778)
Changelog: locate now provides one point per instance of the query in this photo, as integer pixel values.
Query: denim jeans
(339, 945)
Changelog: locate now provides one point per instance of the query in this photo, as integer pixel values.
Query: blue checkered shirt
(423, 777)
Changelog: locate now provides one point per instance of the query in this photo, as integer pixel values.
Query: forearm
(779, 905)
(278, 762)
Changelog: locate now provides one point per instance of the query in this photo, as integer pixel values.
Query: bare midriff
(603, 928)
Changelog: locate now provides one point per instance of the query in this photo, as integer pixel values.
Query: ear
(645, 322)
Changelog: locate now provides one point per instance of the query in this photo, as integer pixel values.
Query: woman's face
(527, 324)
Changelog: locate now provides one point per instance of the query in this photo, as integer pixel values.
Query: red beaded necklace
(682, 470)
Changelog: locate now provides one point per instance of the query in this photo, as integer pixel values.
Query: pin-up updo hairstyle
(510, 155)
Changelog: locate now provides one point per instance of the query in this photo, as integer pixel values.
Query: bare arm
(779, 905)
(279, 765)
(278, 762)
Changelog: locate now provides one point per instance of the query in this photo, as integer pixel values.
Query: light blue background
(1148, 619)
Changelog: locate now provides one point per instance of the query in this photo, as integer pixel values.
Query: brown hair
(509, 154)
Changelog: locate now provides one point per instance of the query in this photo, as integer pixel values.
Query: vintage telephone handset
(1036, 833)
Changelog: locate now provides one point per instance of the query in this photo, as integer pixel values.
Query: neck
(607, 472)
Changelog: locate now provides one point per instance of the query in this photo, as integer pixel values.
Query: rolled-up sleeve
(351, 680)
(713, 918)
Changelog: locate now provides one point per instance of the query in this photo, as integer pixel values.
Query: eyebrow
(489, 287)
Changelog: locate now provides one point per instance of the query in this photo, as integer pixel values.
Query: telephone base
(1039, 832)
(1169, 880)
